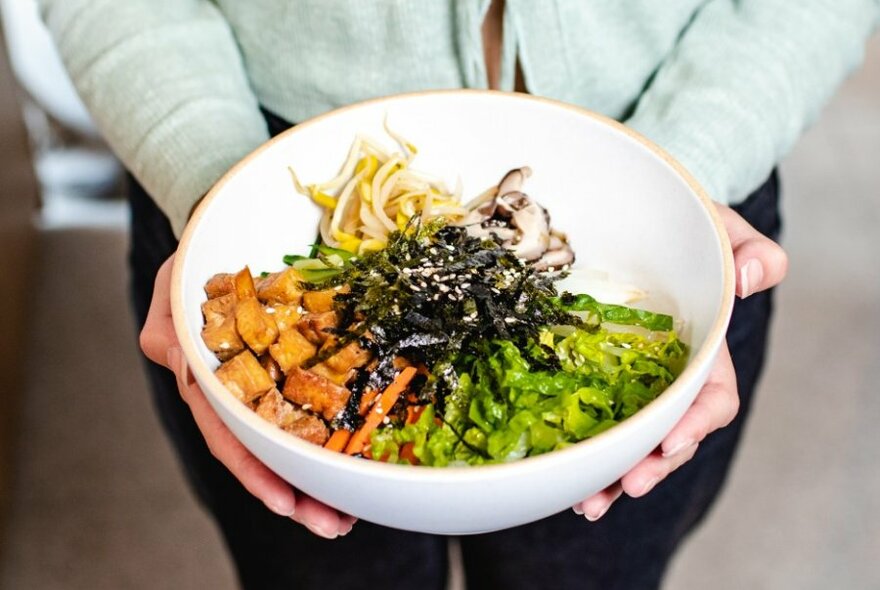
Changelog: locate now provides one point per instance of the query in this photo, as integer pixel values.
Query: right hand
(159, 342)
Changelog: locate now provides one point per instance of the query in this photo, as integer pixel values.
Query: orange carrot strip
(366, 401)
(413, 413)
(338, 440)
(381, 408)
(407, 452)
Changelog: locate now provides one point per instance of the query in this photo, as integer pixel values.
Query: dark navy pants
(628, 549)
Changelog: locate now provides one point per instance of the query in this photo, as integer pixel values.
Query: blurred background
(91, 497)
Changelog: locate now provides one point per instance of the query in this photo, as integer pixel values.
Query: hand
(760, 264)
(160, 344)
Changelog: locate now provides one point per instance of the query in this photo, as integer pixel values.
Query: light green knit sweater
(726, 86)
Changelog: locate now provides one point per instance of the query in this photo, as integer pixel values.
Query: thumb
(760, 262)
(158, 335)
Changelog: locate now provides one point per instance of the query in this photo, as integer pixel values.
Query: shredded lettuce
(517, 401)
(616, 314)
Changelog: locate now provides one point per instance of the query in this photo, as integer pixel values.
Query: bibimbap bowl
(629, 210)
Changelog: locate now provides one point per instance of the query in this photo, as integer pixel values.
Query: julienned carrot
(367, 401)
(337, 440)
(380, 410)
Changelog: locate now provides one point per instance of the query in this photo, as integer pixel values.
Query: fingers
(259, 480)
(158, 336)
(322, 520)
(597, 505)
(715, 407)
(760, 262)
(653, 470)
(159, 343)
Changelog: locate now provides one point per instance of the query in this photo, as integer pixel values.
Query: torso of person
(493, 36)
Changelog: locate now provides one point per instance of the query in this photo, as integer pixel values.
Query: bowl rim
(451, 474)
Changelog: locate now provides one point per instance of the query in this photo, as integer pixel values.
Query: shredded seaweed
(433, 291)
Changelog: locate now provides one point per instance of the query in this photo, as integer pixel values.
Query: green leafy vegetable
(506, 408)
(616, 314)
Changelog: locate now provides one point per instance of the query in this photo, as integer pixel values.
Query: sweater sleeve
(166, 85)
(744, 81)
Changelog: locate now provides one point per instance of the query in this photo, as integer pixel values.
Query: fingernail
(282, 509)
(321, 531)
(344, 530)
(594, 516)
(750, 276)
(578, 509)
(678, 448)
(649, 486)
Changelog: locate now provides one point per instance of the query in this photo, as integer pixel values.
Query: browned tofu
(275, 409)
(338, 378)
(271, 367)
(350, 357)
(219, 333)
(291, 350)
(319, 301)
(244, 377)
(281, 287)
(244, 284)
(220, 284)
(222, 338)
(278, 411)
(255, 325)
(219, 308)
(286, 316)
(309, 427)
(315, 393)
(317, 327)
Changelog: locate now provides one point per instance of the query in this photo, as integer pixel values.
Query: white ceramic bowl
(627, 207)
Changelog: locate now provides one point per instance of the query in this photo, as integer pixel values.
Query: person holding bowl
(183, 89)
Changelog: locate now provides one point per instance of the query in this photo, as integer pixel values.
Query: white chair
(74, 167)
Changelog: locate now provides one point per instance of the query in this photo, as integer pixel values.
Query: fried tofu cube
(286, 316)
(314, 392)
(292, 350)
(309, 427)
(281, 287)
(319, 301)
(271, 367)
(318, 327)
(350, 357)
(244, 284)
(222, 339)
(219, 333)
(275, 409)
(244, 377)
(220, 284)
(338, 378)
(255, 325)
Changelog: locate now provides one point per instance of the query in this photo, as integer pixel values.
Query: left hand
(760, 264)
